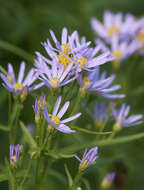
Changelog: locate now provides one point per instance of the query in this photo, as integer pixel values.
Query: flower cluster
(124, 34)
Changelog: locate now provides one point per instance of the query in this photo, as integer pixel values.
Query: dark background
(25, 24)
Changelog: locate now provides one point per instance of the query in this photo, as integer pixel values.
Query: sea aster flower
(56, 75)
(14, 154)
(37, 111)
(119, 49)
(108, 180)
(99, 114)
(55, 119)
(67, 48)
(99, 84)
(74, 50)
(17, 86)
(124, 26)
(121, 119)
(111, 26)
(89, 157)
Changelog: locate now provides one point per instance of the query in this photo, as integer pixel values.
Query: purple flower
(37, 111)
(17, 86)
(122, 120)
(99, 84)
(55, 121)
(89, 157)
(57, 75)
(14, 154)
(69, 45)
(100, 113)
(120, 49)
(108, 180)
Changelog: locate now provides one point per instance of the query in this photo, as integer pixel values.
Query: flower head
(124, 26)
(56, 75)
(89, 157)
(99, 84)
(55, 118)
(14, 154)
(121, 119)
(18, 86)
(108, 180)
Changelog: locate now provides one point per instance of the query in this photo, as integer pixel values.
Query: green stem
(9, 108)
(112, 135)
(75, 181)
(27, 173)
(37, 180)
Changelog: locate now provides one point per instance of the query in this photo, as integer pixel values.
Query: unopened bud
(24, 94)
(108, 180)
(41, 101)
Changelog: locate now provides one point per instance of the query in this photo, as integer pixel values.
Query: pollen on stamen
(66, 49)
(83, 62)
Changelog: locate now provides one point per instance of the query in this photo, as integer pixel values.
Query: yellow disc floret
(117, 54)
(54, 82)
(82, 62)
(113, 30)
(86, 82)
(63, 59)
(55, 119)
(140, 37)
(66, 49)
(18, 86)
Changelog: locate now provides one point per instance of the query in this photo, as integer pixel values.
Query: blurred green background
(25, 24)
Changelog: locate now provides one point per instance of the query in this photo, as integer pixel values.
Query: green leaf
(3, 70)
(57, 175)
(91, 132)
(106, 142)
(29, 139)
(57, 155)
(3, 128)
(16, 50)
(4, 176)
(68, 175)
(86, 183)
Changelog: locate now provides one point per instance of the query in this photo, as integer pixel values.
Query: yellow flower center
(113, 30)
(117, 54)
(62, 57)
(140, 37)
(18, 86)
(83, 62)
(66, 49)
(63, 60)
(86, 82)
(54, 82)
(55, 119)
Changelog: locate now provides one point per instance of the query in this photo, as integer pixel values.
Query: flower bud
(24, 94)
(108, 180)
(41, 101)
(117, 127)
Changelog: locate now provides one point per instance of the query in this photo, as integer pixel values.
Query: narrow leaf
(29, 139)
(3, 128)
(68, 175)
(106, 142)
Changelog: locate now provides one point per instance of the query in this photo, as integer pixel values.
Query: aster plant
(71, 79)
